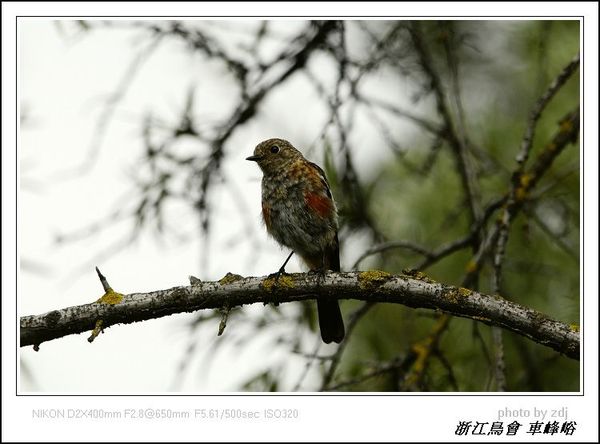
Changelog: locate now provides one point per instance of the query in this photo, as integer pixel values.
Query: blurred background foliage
(419, 197)
(377, 96)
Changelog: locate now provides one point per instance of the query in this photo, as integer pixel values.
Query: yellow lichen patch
(98, 328)
(422, 350)
(566, 126)
(110, 297)
(229, 278)
(525, 179)
(454, 295)
(574, 327)
(521, 193)
(272, 283)
(368, 279)
(524, 185)
(96, 331)
(465, 292)
(471, 266)
(416, 274)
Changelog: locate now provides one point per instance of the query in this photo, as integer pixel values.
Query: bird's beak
(254, 158)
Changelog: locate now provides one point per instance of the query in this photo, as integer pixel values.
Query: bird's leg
(278, 274)
(282, 269)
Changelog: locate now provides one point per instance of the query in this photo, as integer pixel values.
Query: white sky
(65, 79)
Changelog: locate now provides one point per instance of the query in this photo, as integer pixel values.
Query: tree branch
(373, 286)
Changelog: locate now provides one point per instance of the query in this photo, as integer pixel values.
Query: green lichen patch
(372, 278)
(230, 278)
(272, 283)
(111, 297)
(574, 327)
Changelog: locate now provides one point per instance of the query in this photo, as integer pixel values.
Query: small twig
(521, 187)
(556, 239)
(431, 257)
(463, 242)
(103, 280)
(391, 245)
(540, 105)
(518, 175)
(427, 125)
(522, 157)
(478, 337)
(224, 315)
(394, 365)
(311, 358)
(519, 183)
(500, 365)
(423, 350)
(444, 361)
(457, 144)
(97, 330)
(523, 182)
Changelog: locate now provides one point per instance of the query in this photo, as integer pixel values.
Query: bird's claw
(278, 274)
(321, 270)
(275, 276)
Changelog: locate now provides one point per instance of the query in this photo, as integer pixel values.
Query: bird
(299, 212)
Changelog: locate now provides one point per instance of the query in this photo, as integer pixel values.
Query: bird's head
(273, 154)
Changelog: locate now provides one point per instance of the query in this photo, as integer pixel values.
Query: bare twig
(458, 144)
(103, 280)
(433, 256)
(559, 241)
(380, 248)
(540, 105)
(499, 367)
(518, 190)
(444, 361)
(524, 184)
(381, 369)
(423, 350)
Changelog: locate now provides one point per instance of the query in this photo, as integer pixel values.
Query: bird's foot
(278, 274)
(275, 278)
(321, 272)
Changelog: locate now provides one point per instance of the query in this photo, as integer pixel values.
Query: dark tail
(330, 321)
(330, 316)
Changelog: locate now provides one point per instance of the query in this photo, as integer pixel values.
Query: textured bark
(415, 291)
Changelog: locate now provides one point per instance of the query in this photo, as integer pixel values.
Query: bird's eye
(274, 149)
